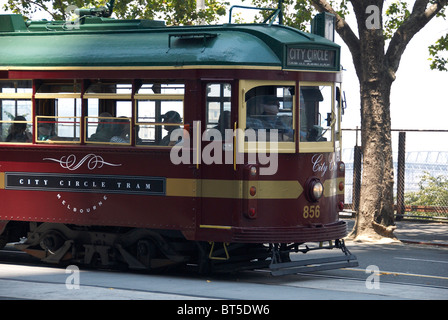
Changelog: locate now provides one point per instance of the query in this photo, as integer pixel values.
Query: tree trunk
(375, 218)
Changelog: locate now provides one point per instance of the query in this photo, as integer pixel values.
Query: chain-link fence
(420, 172)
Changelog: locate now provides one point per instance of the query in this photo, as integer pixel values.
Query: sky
(419, 98)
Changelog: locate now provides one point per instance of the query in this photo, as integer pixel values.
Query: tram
(131, 142)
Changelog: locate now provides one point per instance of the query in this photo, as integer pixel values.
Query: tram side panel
(97, 188)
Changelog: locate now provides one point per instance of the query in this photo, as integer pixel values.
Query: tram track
(383, 280)
(186, 284)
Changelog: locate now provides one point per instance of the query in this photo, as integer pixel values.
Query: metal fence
(420, 172)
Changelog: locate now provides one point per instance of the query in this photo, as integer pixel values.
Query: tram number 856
(310, 212)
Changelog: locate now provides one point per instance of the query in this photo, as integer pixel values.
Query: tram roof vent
(202, 37)
(12, 23)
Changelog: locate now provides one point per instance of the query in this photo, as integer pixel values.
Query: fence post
(400, 175)
(357, 178)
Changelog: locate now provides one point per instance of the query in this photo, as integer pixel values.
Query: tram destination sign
(311, 58)
(85, 183)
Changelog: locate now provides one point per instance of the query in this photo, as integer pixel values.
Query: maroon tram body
(84, 200)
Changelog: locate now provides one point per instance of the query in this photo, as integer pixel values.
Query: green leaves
(396, 14)
(439, 54)
(433, 191)
(174, 12)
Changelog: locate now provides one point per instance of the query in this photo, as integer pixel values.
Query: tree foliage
(174, 12)
(298, 13)
(396, 13)
(433, 191)
(439, 54)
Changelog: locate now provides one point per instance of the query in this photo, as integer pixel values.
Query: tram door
(219, 180)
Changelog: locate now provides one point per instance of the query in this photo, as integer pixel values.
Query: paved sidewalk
(428, 233)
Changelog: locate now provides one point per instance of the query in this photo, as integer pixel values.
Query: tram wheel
(146, 251)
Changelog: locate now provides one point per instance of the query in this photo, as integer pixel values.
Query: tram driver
(263, 113)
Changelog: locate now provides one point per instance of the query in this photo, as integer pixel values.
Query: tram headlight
(315, 189)
(318, 190)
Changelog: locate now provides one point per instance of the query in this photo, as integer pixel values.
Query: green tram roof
(106, 42)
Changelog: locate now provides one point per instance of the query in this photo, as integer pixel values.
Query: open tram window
(16, 111)
(316, 113)
(270, 108)
(218, 110)
(58, 112)
(318, 120)
(159, 111)
(109, 112)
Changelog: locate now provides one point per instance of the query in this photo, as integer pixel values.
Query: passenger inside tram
(45, 129)
(18, 131)
(170, 118)
(121, 131)
(104, 130)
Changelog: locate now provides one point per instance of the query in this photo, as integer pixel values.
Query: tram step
(311, 265)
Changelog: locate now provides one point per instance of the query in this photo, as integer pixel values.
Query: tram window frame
(264, 146)
(218, 110)
(52, 96)
(307, 142)
(112, 123)
(165, 109)
(14, 93)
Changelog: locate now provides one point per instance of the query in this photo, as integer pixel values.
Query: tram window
(161, 88)
(271, 107)
(16, 111)
(16, 86)
(109, 88)
(316, 114)
(159, 112)
(66, 87)
(62, 124)
(58, 112)
(218, 110)
(109, 112)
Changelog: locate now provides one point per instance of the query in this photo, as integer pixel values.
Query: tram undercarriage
(152, 250)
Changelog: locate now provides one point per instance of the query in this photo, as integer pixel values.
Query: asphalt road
(385, 271)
